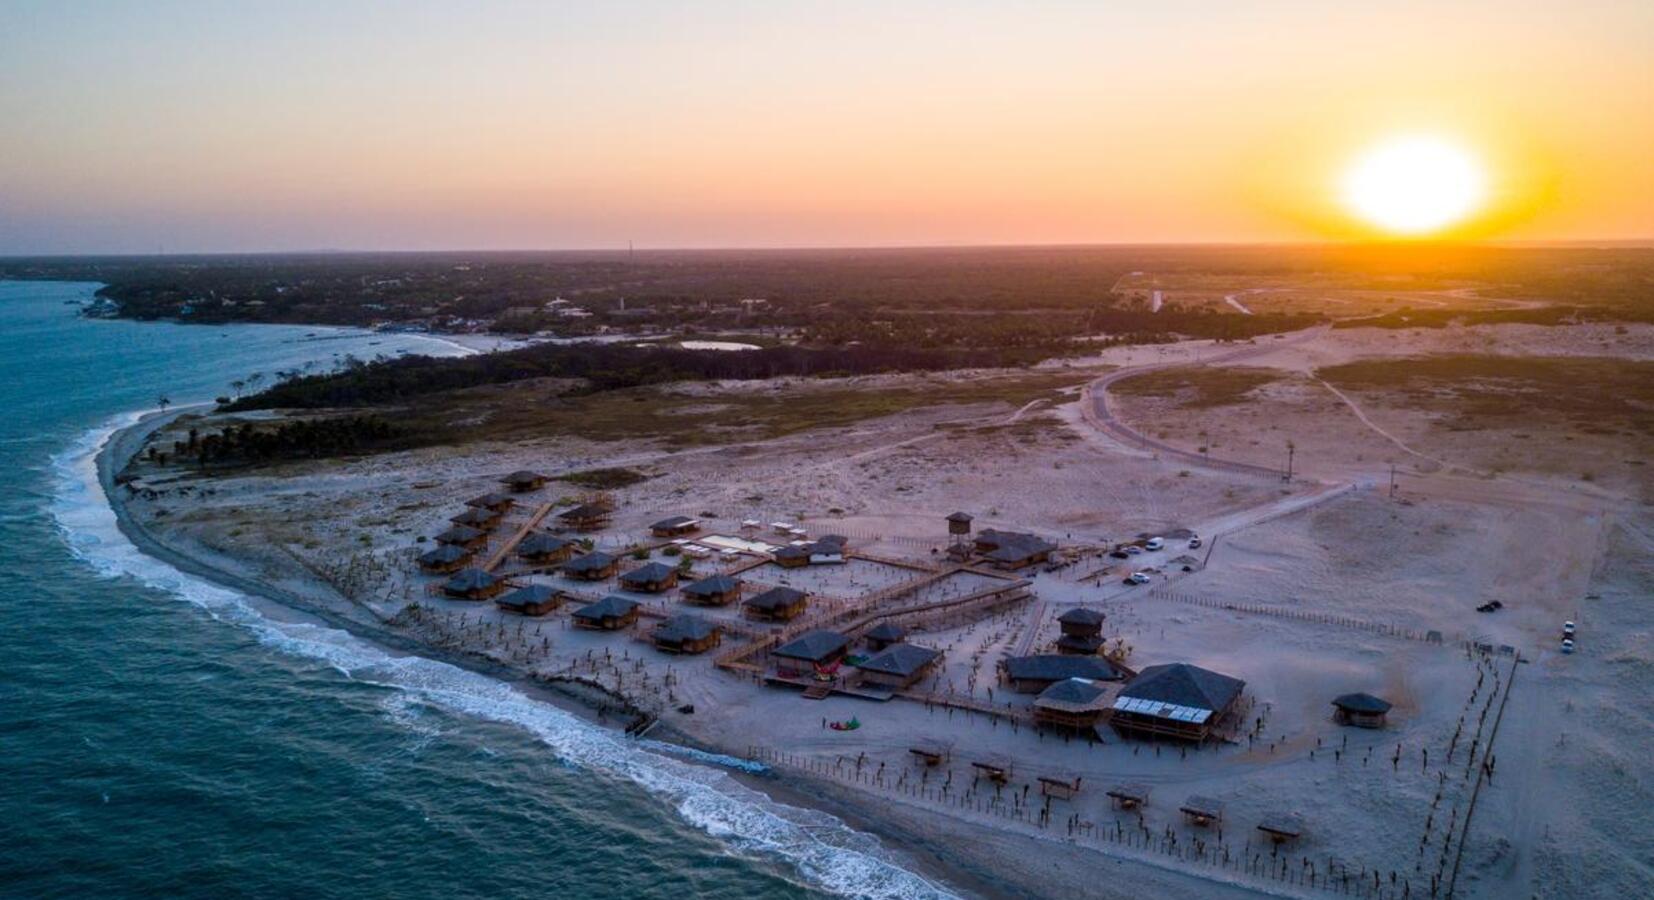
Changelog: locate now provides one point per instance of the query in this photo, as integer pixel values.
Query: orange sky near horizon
(279, 126)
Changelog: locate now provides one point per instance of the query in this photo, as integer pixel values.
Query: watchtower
(959, 534)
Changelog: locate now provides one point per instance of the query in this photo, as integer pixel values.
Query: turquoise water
(160, 736)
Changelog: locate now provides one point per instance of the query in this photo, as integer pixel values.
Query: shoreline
(924, 859)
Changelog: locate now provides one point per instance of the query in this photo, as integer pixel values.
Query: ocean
(161, 735)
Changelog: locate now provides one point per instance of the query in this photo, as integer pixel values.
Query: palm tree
(163, 401)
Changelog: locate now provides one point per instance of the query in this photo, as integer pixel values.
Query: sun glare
(1414, 185)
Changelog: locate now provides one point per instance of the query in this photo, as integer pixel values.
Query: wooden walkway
(517, 537)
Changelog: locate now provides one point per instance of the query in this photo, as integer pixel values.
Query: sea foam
(826, 853)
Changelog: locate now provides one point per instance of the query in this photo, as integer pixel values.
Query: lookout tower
(959, 534)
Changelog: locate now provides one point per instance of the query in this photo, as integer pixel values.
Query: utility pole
(1392, 481)
(1291, 450)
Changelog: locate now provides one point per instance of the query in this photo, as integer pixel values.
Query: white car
(1139, 578)
(1155, 543)
(1567, 645)
(1567, 629)
(1194, 543)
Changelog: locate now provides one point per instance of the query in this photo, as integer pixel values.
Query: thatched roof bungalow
(477, 517)
(820, 648)
(1033, 674)
(541, 547)
(532, 600)
(1074, 703)
(675, 526)
(778, 604)
(498, 502)
(898, 666)
(585, 517)
(1360, 710)
(687, 634)
(1177, 700)
(593, 566)
(1013, 549)
(612, 613)
(650, 578)
(445, 558)
(713, 590)
(464, 536)
(473, 584)
(523, 481)
(883, 635)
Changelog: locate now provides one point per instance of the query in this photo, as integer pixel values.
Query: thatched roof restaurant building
(650, 578)
(813, 648)
(585, 517)
(792, 556)
(713, 590)
(898, 666)
(473, 584)
(522, 481)
(445, 558)
(612, 613)
(778, 604)
(1013, 549)
(464, 536)
(540, 547)
(1074, 703)
(533, 600)
(675, 526)
(1033, 674)
(687, 634)
(1360, 710)
(593, 566)
(1177, 700)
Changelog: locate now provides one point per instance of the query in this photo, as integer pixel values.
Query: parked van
(1155, 543)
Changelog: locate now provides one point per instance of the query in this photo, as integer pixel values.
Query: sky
(271, 126)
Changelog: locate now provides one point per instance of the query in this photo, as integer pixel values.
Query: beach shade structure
(884, 635)
(1033, 674)
(496, 501)
(996, 767)
(585, 517)
(593, 566)
(523, 481)
(713, 590)
(464, 536)
(1082, 621)
(612, 613)
(675, 526)
(1202, 811)
(931, 752)
(687, 634)
(650, 578)
(1079, 644)
(532, 600)
(1059, 787)
(472, 584)
(1073, 703)
(477, 517)
(541, 547)
(778, 604)
(1129, 795)
(1013, 549)
(1282, 828)
(445, 558)
(820, 647)
(898, 665)
(792, 556)
(1360, 710)
(1177, 700)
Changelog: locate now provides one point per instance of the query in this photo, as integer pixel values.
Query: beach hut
(477, 517)
(533, 600)
(713, 590)
(898, 666)
(650, 578)
(593, 566)
(687, 634)
(1075, 704)
(585, 517)
(498, 502)
(1360, 710)
(778, 604)
(543, 548)
(1129, 796)
(1282, 828)
(1177, 700)
(523, 481)
(445, 558)
(1013, 549)
(884, 635)
(995, 767)
(813, 648)
(675, 526)
(464, 536)
(612, 613)
(1059, 787)
(1081, 621)
(1202, 811)
(1033, 674)
(472, 584)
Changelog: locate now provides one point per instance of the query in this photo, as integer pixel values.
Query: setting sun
(1414, 185)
